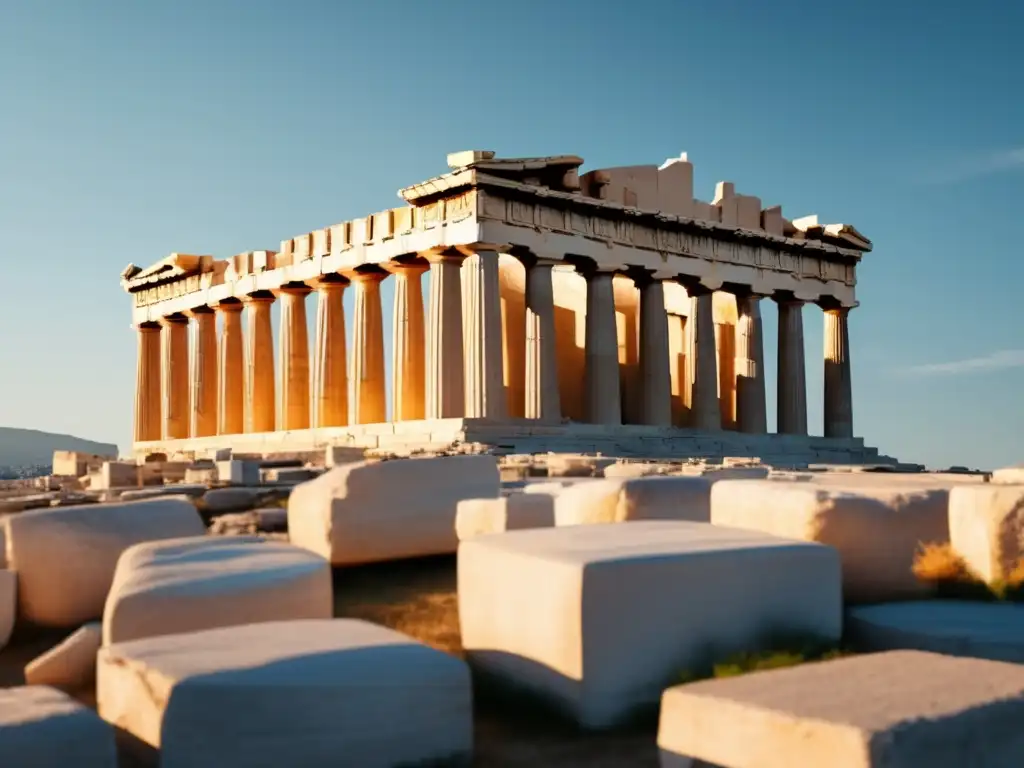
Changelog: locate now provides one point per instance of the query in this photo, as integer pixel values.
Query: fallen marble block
(986, 528)
(8, 605)
(300, 693)
(902, 708)
(630, 469)
(476, 517)
(1009, 475)
(71, 665)
(65, 557)
(186, 585)
(224, 500)
(191, 490)
(372, 511)
(877, 529)
(41, 727)
(600, 619)
(644, 498)
(982, 630)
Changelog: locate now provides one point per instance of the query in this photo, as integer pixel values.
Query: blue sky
(130, 130)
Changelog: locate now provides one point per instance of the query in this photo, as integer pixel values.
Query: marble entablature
(543, 206)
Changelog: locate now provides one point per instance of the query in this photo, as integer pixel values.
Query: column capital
(591, 269)
(229, 306)
(148, 327)
(406, 267)
(332, 281)
(787, 298)
(443, 255)
(470, 249)
(831, 304)
(367, 275)
(295, 289)
(175, 319)
(530, 258)
(260, 297)
(197, 311)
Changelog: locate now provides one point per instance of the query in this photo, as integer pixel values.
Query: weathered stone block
(600, 619)
(986, 528)
(902, 708)
(41, 727)
(70, 665)
(516, 511)
(223, 500)
(65, 556)
(238, 472)
(185, 585)
(956, 627)
(302, 686)
(117, 474)
(8, 605)
(370, 511)
(644, 498)
(877, 529)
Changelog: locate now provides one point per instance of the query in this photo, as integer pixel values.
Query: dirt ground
(417, 597)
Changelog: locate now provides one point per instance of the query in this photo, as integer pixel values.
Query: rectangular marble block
(238, 472)
(877, 526)
(986, 528)
(620, 500)
(901, 709)
(315, 694)
(600, 619)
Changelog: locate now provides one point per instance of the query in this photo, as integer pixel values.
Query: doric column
(204, 372)
(792, 384)
(408, 350)
(542, 398)
(259, 365)
(838, 384)
(445, 377)
(174, 377)
(602, 404)
(751, 411)
(294, 353)
(330, 372)
(231, 370)
(147, 384)
(482, 342)
(367, 401)
(702, 362)
(655, 379)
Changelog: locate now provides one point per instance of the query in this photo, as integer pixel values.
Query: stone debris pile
(204, 615)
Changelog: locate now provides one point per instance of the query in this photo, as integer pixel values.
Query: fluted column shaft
(147, 384)
(792, 383)
(204, 373)
(838, 383)
(751, 409)
(330, 375)
(294, 358)
(231, 371)
(602, 403)
(366, 367)
(542, 398)
(445, 363)
(655, 379)
(705, 412)
(482, 337)
(174, 389)
(408, 349)
(259, 366)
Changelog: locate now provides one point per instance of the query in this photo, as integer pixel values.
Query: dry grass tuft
(937, 563)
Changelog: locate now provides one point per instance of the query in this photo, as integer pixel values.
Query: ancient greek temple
(609, 311)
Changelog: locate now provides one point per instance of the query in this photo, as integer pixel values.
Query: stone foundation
(519, 436)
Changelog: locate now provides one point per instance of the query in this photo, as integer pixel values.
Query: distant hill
(29, 447)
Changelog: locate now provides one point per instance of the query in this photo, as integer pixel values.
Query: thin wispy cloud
(996, 361)
(976, 165)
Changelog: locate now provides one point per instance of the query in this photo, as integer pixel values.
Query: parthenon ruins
(609, 311)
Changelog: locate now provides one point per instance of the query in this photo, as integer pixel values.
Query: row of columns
(448, 360)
